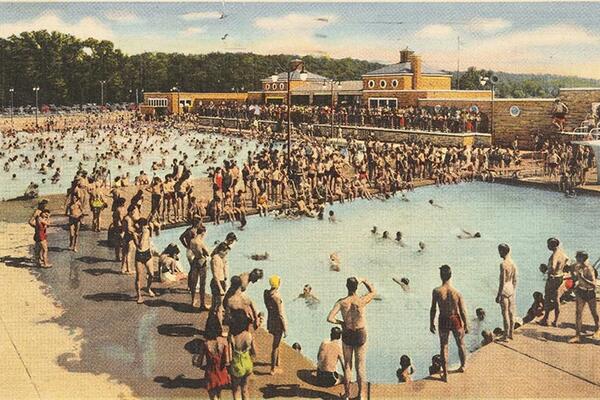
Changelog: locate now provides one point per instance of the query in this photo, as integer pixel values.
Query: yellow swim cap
(274, 281)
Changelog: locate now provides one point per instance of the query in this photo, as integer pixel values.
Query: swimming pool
(399, 324)
(178, 144)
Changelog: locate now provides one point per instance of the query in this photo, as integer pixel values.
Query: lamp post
(102, 92)
(492, 80)
(12, 105)
(293, 67)
(36, 89)
(333, 84)
(176, 89)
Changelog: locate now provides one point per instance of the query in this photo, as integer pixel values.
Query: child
(436, 365)
(537, 308)
(404, 373)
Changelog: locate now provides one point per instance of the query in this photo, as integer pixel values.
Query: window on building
(371, 84)
(281, 86)
(395, 83)
(157, 102)
(267, 86)
(382, 83)
(383, 102)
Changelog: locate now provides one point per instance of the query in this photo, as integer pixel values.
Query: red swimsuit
(216, 371)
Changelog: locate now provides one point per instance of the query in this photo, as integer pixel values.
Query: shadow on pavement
(180, 381)
(101, 271)
(109, 297)
(178, 330)
(275, 391)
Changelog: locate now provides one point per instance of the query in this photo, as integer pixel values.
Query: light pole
(293, 67)
(12, 105)
(36, 89)
(102, 92)
(333, 84)
(492, 80)
(176, 89)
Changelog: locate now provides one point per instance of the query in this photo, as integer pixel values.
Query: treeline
(522, 85)
(68, 70)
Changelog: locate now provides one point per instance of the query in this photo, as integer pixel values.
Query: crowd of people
(427, 118)
(317, 174)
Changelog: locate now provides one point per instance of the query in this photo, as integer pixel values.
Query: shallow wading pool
(399, 323)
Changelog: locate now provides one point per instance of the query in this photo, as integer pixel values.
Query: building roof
(282, 77)
(404, 68)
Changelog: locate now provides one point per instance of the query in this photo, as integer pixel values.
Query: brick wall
(404, 82)
(434, 83)
(579, 102)
(535, 116)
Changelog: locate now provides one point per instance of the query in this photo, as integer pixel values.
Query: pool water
(11, 188)
(399, 323)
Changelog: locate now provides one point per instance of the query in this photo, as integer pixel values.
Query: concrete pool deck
(75, 331)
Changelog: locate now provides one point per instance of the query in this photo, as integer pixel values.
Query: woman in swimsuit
(276, 321)
(216, 351)
(241, 364)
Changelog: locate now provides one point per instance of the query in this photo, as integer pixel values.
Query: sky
(560, 38)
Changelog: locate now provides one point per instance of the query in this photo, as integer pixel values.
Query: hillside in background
(523, 85)
(68, 70)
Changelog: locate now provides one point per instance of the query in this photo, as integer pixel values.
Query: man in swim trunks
(330, 353)
(584, 276)
(555, 271)
(198, 266)
(452, 318)
(143, 260)
(218, 268)
(354, 330)
(506, 290)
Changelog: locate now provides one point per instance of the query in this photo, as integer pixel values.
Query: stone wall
(579, 101)
(380, 134)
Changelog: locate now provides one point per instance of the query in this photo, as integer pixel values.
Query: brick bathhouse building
(410, 82)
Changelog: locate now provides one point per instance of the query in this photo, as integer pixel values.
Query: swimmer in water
(308, 296)
(421, 247)
(468, 235)
(374, 230)
(386, 235)
(260, 257)
(404, 198)
(403, 282)
(334, 262)
(480, 312)
(399, 240)
(434, 204)
(332, 217)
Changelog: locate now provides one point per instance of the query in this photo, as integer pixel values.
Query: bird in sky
(225, 36)
(322, 19)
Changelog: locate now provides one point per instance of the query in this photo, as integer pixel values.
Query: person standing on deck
(354, 331)
(276, 320)
(452, 318)
(555, 270)
(584, 276)
(507, 290)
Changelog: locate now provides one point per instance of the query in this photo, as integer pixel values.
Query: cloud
(83, 28)
(290, 22)
(122, 17)
(196, 16)
(489, 25)
(192, 31)
(435, 31)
